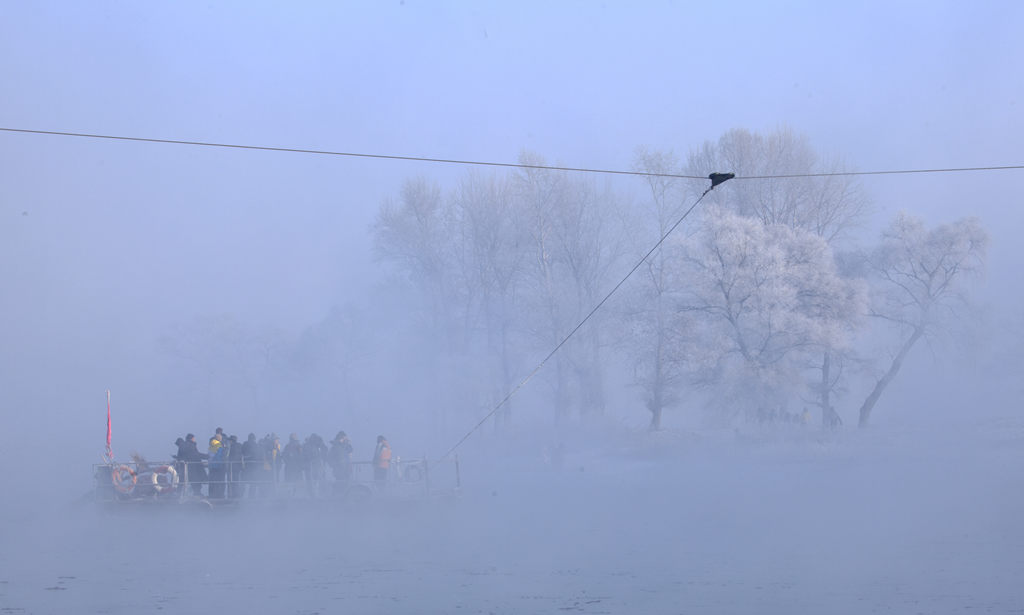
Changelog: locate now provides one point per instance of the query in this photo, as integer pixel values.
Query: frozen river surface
(842, 528)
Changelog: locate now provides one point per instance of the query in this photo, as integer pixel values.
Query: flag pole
(109, 453)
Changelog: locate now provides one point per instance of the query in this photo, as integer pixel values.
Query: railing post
(426, 474)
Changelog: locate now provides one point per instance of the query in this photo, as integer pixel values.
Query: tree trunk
(506, 370)
(897, 362)
(829, 417)
(655, 418)
(826, 407)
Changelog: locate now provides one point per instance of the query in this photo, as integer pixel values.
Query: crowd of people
(233, 469)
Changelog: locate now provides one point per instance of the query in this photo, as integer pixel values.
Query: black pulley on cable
(720, 178)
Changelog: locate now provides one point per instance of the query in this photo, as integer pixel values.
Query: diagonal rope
(582, 322)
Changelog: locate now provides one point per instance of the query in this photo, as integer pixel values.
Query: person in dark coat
(252, 462)
(179, 459)
(235, 487)
(294, 461)
(193, 464)
(271, 447)
(340, 457)
(314, 450)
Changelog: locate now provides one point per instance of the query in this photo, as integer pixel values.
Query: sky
(107, 245)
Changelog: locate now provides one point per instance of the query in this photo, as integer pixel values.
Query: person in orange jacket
(381, 460)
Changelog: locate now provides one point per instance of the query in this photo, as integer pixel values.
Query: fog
(274, 292)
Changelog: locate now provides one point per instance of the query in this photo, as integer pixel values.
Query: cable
(896, 172)
(523, 166)
(349, 154)
(498, 164)
(582, 322)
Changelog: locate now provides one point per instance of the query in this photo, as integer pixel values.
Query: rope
(512, 165)
(581, 323)
(320, 152)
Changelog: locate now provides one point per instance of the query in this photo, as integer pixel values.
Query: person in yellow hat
(217, 467)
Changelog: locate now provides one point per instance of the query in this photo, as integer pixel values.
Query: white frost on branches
(761, 299)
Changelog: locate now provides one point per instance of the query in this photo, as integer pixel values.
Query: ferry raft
(141, 484)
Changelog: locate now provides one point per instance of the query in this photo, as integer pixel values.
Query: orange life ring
(171, 482)
(123, 478)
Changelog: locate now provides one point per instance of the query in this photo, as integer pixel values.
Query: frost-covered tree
(918, 281)
(490, 253)
(824, 204)
(760, 300)
(654, 342)
(573, 238)
(509, 264)
(416, 233)
(542, 195)
(812, 195)
(419, 235)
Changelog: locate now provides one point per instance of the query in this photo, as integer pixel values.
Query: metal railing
(242, 480)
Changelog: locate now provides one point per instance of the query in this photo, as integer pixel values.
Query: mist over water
(846, 524)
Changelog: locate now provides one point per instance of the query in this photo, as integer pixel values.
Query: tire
(171, 479)
(123, 478)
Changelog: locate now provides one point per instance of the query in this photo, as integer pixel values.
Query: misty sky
(104, 245)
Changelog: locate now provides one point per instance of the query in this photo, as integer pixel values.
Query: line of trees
(763, 303)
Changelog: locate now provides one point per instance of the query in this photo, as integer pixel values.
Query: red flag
(110, 453)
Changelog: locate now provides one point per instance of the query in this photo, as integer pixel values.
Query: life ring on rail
(123, 478)
(412, 474)
(169, 483)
